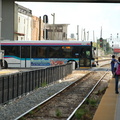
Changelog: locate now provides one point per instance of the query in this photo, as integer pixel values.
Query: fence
(14, 85)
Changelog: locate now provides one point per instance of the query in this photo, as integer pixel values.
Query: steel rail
(51, 97)
(72, 114)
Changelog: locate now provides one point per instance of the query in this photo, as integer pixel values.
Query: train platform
(109, 107)
(8, 71)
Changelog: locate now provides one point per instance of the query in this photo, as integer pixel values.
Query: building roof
(57, 24)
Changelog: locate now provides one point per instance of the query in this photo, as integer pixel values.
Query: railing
(18, 84)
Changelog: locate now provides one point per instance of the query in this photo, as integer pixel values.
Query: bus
(27, 54)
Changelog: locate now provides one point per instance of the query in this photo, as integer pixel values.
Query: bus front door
(25, 56)
(84, 59)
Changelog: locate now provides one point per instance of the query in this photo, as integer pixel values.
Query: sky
(88, 16)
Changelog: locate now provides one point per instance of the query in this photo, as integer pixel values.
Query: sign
(117, 50)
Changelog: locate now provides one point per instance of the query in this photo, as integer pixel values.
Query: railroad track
(64, 104)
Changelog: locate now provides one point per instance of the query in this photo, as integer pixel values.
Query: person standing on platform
(113, 61)
(117, 74)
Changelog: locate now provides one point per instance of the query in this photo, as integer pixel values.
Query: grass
(87, 110)
(79, 113)
(58, 113)
(44, 84)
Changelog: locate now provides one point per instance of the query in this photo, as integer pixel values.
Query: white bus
(28, 54)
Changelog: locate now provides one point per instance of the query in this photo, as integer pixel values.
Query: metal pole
(87, 35)
(81, 34)
(77, 32)
(97, 51)
(101, 32)
(45, 29)
(84, 35)
(53, 25)
(93, 36)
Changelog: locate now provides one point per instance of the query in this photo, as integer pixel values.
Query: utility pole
(84, 35)
(97, 51)
(53, 25)
(77, 32)
(93, 36)
(101, 32)
(45, 29)
(87, 35)
(112, 42)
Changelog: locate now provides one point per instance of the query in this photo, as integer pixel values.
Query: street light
(53, 25)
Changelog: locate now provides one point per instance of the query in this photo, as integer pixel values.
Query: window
(55, 52)
(39, 52)
(25, 51)
(67, 51)
(88, 53)
(12, 50)
(75, 52)
(85, 53)
(82, 53)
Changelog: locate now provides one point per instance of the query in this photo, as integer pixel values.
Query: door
(25, 56)
(85, 57)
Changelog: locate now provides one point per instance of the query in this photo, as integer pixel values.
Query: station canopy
(93, 1)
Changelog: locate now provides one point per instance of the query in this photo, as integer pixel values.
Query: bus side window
(12, 50)
(25, 51)
(34, 53)
(55, 52)
(75, 52)
(67, 51)
(82, 53)
(41, 52)
(88, 53)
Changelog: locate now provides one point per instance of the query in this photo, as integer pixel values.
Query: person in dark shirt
(117, 74)
(113, 61)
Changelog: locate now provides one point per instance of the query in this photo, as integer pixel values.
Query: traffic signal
(101, 45)
(101, 42)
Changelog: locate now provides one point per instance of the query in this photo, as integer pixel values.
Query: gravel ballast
(16, 107)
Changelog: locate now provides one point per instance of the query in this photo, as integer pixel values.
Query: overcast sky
(90, 16)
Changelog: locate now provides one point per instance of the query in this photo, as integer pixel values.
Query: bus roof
(46, 42)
